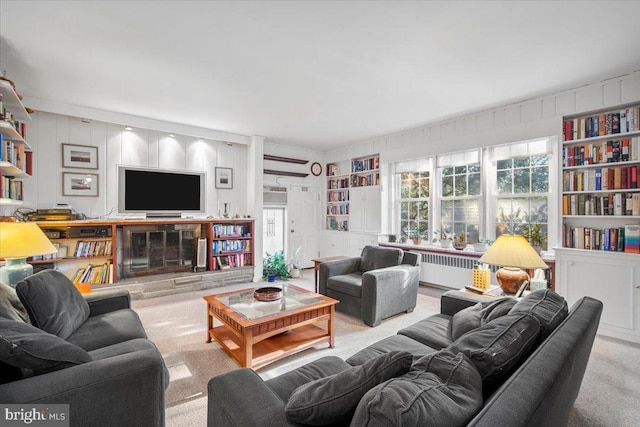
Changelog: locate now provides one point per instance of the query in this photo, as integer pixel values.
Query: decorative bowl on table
(459, 246)
(269, 293)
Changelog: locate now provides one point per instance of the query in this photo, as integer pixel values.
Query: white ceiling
(315, 74)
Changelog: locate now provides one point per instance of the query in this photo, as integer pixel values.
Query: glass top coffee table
(252, 331)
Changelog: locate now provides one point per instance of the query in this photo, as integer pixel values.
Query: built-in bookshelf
(600, 165)
(232, 243)
(15, 152)
(83, 259)
(343, 176)
(337, 214)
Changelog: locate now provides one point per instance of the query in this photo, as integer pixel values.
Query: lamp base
(511, 279)
(15, 270)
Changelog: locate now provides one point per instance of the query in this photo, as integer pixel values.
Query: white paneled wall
(116, 146)
(510, 123)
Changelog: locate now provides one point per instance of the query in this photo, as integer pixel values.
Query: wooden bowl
(269, 293)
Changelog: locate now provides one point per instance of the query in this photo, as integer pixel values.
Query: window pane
(459, 170)
(540, 160)
(473, 168)
(423, 210)
(521, 181)
(474, 184)
(540, 179)
(521, 162)
(504, 164)
(538, 211)
(447, 186)
(461, 185)
(503, 185)
(423, 188)
(446, 210)
(447, 171)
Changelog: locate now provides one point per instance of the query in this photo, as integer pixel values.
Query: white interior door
(273, 229)
(304, 223)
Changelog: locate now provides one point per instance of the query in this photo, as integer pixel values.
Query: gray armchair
(380, 283)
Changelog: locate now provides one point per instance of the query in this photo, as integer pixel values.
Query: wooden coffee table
(253, 332)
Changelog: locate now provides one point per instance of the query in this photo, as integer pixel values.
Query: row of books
(219, 246)
(372, 163)
(92, 248)
(366, 180)
(10, 188)
(625, 120)
(338, 209)
(224, 262)
(338, 196)
(615, 239)
(606, 152)
(338, 183)
(231, 230)
(15, 154)
(339, 225)
(617, 178)
(620, 204)
(94, 274)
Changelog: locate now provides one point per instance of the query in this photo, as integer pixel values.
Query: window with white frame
(460, 194)
(521, 190)
(413, 189)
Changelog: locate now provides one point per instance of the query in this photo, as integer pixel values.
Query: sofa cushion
(10, 305)
(114, 327)
(53, 302)
(333, 399)
(497, 347)
(547, 306)
(386, 345)
(442, 389)
(374, 258)
(285, 384)
(27, 347)
(350, 284)
(434, 331)
(477, 315)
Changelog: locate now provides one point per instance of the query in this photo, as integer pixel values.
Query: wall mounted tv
(157, 192)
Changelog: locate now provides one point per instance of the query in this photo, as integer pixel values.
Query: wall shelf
(285, 159)
(285, 173)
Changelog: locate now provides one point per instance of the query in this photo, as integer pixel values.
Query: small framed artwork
(224, 178)
(79, 184)
(79, 156)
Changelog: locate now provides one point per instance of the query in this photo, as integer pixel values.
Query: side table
(316, 266)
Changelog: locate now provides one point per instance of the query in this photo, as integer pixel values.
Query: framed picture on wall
(79, 156)
(79, 184)
(224, 178)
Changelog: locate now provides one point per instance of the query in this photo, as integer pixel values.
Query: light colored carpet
(610, 393)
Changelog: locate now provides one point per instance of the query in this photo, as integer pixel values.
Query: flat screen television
(157, 192)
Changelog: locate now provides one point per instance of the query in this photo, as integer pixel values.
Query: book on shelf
(609, 123)
(610, 239)
(620, 204)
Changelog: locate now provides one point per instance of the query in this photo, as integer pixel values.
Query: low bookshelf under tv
(144, 247)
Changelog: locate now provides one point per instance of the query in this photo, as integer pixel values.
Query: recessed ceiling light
(172, 135)
(128, 128)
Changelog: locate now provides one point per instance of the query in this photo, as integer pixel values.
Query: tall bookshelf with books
(15, 152)
(337, 215)
(232, 243)
(347, 198)
(600, 191)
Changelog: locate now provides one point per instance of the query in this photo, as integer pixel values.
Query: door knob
(293, 231)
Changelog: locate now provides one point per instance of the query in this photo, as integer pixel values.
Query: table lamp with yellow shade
(513, 253)
(18, 241)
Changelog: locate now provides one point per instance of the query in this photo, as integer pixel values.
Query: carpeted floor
(610, 393)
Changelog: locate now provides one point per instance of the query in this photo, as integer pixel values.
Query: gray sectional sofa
(90, 352)
(479, 362)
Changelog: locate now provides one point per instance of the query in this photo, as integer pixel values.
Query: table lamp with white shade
(18, 241)
(513, 253)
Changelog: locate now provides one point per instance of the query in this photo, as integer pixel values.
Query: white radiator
(448, 270)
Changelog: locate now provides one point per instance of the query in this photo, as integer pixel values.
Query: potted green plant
(417, 234)
(274, 266)
(534, 235)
